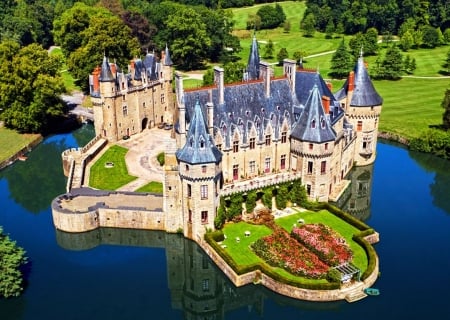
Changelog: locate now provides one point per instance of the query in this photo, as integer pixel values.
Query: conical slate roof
(105, 73)
(253, 61)
(364, 93)
(199, 147)
(313, 125)
(167, 60)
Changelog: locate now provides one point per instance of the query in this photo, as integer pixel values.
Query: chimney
(266, 74)
(326, 104)
(96, 80)
(330, 86)
(351, 81)
(289, 70)
(113, 69)
(210, 108)
(179, 87)
(218, 80)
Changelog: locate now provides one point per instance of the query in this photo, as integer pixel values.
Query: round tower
(363, 108)
(107, 124)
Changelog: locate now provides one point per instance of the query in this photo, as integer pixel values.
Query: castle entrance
(144, 124)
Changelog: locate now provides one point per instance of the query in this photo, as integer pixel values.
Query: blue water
(99, 275)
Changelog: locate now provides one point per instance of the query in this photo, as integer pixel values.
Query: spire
(253, 60)
(167, 60)
(313, 124)
(199, 147)
(364, 93)
(105, 74)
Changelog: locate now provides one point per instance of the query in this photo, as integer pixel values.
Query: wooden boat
(372, 291)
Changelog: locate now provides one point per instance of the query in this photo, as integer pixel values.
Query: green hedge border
(212, 238)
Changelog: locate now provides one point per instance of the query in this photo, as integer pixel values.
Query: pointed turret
(359, 87)
(313, 124)
(253, 61)
(167, 60)
(106, 74)
(199, 147)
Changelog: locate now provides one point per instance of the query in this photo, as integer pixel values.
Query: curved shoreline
(28, 148)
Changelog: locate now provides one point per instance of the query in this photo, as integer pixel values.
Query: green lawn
(343, 228)
(153, 187)
(242, 254)
(12, 142)
(110, 178)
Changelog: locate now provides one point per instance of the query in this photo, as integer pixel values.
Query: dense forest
(387, 16)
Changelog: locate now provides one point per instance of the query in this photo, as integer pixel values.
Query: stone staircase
(355, 296)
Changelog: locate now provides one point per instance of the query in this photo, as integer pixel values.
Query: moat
(126, 274)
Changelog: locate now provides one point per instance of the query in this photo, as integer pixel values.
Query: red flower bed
(308, 251)
(281, 250)
(323, 241)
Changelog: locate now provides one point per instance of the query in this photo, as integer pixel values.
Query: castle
(226, 138)
(241, 136)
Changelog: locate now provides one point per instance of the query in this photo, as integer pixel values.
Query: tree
(309, 25)
(286, 26)
(299, 55)
(68, 29)
(189, 38)
(233, 72)
(253, 22)
(447, 62)
(140, 29)
(392, 64)
(446, 35)
(406, 41)
(12, 257)
(30, 87)
(269, 49)
(430, 37)
(446, 105)
(330, 29)
(341, 62)
(97, 42)
(271, 17)
(371, 41)
(282, 54)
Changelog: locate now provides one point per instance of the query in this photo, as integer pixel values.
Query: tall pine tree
(446, 105)
(341, 62)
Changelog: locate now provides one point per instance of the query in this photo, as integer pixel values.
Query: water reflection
(441, 168)
(198, 288)
(356, 199)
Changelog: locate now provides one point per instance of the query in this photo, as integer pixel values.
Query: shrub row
(264, 268)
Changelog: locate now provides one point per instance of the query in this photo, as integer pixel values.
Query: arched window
(313, 123)
(322, 123)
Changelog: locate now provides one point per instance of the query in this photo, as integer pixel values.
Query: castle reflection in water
(201, 290)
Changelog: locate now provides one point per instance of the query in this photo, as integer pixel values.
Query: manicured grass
(243, 255)
(153, 187)
(411, 105)
(114, 177)
(240, 251)
(192, 83)
(343, 228)
(12, 142)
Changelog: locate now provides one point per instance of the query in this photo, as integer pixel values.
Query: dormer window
(191, 142)
(313, 123)
(224, 130)
(202, 143)
(322, 123)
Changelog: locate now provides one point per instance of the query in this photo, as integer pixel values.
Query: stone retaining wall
(288, 290)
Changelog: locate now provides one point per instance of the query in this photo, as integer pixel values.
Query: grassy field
(242, 254)
(12, 142)
(153, 187)
(110, 178)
